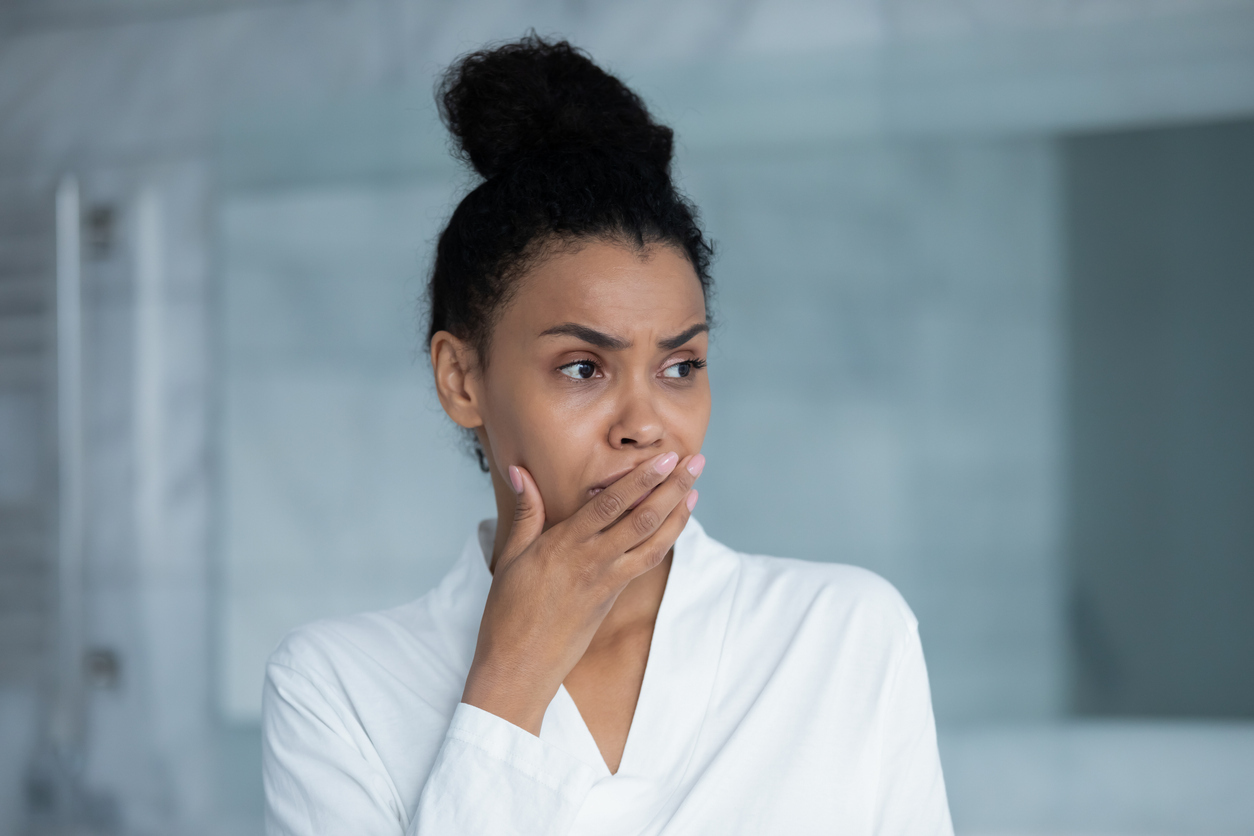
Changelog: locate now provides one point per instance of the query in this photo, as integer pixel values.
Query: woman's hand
(551, 589)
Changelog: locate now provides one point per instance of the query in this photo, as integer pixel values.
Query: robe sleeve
(489, 776)
(911, 797)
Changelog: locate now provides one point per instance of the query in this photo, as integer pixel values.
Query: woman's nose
(638, 423)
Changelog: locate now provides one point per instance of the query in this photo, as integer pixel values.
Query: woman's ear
(456, 380)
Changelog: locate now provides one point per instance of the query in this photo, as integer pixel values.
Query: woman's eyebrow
(672, 343)
(589, 335)
(611, 343)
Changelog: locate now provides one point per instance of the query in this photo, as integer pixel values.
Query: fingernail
(515, 479)
(666, 464)
(696, 465)
(692, 500)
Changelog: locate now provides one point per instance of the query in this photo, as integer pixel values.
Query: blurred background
(985, 292)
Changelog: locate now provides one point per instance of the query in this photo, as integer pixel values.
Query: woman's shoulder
(318, 644)
(430, 638)
(409, 641)
(813, 623)
(840, 580)
(818, 590)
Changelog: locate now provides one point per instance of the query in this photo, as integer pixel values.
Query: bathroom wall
(887, 379)
(884, 184)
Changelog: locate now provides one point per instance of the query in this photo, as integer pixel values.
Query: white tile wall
(886, 389)
(344, 486)
(888, 308)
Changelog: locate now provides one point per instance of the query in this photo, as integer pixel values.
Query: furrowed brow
(672, 343)
(588, 335)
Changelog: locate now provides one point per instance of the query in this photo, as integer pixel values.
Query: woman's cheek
(689, 418)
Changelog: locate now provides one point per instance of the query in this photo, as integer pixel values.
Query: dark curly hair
(567, 153)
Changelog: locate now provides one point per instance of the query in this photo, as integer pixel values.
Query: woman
(594, 663)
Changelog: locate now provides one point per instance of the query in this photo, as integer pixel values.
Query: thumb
(528, 513)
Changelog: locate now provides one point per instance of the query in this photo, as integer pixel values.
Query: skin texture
(592, 401)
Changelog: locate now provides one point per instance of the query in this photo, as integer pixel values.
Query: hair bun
(532, 97)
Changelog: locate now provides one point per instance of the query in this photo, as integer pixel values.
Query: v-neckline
(680, 672)
(587, 742)
(678, 679)
(577, 732)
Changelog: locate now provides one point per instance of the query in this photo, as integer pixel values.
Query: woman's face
(596, 364)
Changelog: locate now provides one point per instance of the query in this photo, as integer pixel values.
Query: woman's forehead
(612, 287)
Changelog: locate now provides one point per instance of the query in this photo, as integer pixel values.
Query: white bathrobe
(780, 697)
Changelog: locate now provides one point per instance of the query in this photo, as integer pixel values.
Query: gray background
(982, 288)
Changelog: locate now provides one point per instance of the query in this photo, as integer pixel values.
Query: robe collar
(678, 681)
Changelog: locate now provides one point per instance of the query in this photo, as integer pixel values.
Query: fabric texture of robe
(780, 697)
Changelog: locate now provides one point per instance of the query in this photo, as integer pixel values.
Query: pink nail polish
(515, 479)
(692, 500)
(667, 463)
(696, 465)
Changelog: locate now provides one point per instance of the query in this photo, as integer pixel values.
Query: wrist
(509, 697)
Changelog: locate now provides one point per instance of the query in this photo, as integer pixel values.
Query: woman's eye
(581, 370)
(678, 370)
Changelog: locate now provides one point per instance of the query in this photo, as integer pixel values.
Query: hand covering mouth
(593, 491)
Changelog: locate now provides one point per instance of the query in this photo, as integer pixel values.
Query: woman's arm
(489, 777)
(911, 799)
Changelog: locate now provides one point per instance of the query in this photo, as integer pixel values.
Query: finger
(651, 552)
(603, 509)
(641, 523)
(528, 521)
